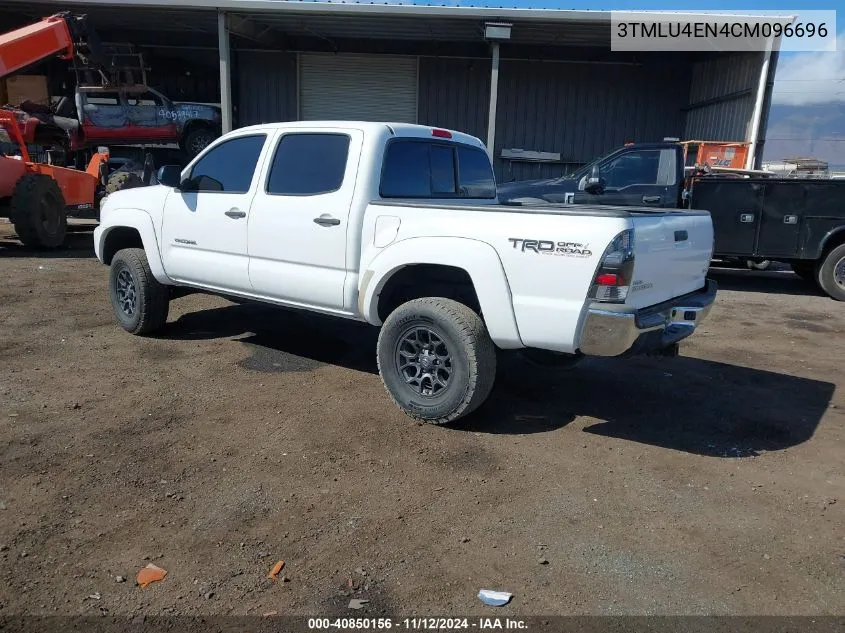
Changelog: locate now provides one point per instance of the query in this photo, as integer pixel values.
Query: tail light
(615, 271)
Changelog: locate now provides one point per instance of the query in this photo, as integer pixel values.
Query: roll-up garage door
(358, 88)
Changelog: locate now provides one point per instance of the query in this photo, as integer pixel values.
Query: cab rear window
(424, 169)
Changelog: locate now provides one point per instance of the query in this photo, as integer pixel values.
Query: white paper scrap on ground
(494, 598)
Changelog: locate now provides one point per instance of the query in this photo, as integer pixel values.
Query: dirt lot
(708, 484)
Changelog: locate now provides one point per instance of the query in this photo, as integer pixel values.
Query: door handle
(648, 199)
(746, 217)
(326, 220)
(236, 213)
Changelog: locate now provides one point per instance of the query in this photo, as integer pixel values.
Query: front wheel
(831, 274)
(139, 301)
(436, 359)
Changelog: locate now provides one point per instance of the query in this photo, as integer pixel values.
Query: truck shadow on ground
(79, 244)
(783, 281)
(686, 404)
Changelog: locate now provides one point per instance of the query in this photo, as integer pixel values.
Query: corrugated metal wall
(578, 110)
(184, 74)
(265, 85)
(726, 120)
(455, 94)
(583, 110)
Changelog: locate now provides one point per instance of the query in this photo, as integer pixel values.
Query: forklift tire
(120, 180)
(832, 273)
(38, 211)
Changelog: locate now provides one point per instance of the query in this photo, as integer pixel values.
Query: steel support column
(225, 72)
(759, 100)
(494, 97)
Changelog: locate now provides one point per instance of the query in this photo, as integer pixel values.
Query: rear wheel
(831, 274)
(38, 211)
(139, 301)
(436, 359)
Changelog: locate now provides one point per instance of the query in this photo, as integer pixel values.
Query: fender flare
(831, 234)
(142, 222)
(478, 259)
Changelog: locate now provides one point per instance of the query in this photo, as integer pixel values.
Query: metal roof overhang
(269, 19)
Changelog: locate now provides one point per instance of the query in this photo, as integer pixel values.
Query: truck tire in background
(197, 140)
(436, 359)
(38, 211)
(139, 301)
(831, 273)
(120, 180)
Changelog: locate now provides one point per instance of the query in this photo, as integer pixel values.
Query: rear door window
(308, 164)
(421, 169)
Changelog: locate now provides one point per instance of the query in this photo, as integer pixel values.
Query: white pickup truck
(398, 226)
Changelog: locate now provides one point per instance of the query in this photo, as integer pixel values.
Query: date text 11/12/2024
(416, 624)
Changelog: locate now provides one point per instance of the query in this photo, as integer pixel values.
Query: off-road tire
(120, 180)
(472, 357)
(832, 268)
(197, 140)
(37, 209)
(151, 298)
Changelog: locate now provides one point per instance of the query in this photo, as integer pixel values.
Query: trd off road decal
(548, 247)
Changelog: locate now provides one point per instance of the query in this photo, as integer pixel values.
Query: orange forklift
(36, 196)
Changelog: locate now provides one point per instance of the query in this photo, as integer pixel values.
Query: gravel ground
(708, 484)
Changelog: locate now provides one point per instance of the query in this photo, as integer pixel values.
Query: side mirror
(170, 176)
(595, 183)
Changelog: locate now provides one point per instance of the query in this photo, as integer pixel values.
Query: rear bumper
(609, 333)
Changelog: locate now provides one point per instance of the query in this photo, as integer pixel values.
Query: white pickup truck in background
(398, 225)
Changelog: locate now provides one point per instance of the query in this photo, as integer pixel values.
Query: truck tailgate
(672, 253)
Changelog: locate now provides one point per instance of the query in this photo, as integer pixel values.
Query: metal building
(542, 87)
